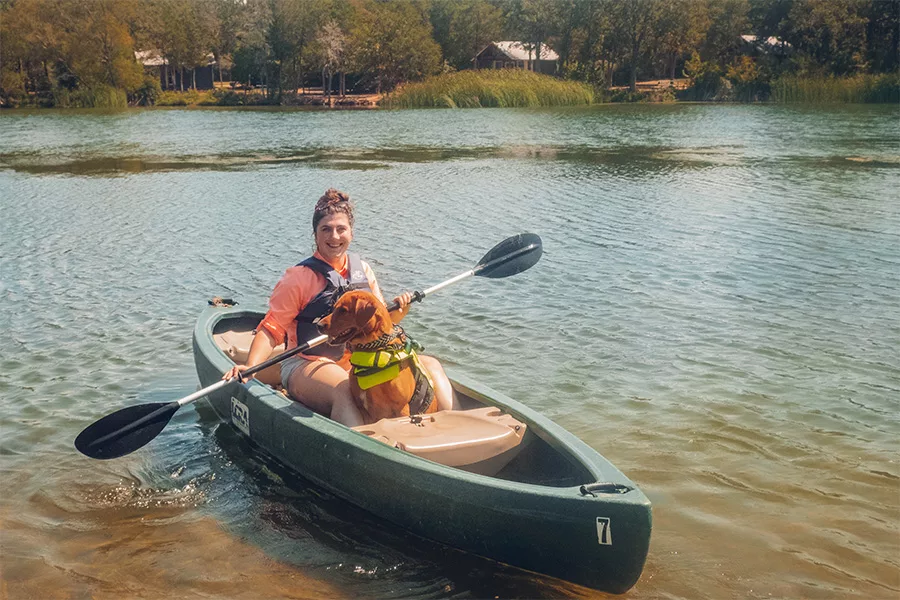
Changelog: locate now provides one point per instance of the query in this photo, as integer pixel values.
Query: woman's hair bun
(331, 197)
(333, 201)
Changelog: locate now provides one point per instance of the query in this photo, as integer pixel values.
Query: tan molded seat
(480, 440)
(236, 344)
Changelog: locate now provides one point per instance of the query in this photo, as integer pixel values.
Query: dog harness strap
(335, 286)
(423, 395)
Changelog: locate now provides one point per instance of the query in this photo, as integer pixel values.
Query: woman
(307, 291)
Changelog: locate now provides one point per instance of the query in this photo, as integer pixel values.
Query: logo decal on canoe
(240, 415)
(604, 533)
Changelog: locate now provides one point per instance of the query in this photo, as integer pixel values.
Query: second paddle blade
(124, 431)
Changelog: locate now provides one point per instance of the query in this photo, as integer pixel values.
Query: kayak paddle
(128, 429)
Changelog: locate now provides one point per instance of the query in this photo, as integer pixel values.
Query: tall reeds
(504, 88)
(99, 96)
(855, 89)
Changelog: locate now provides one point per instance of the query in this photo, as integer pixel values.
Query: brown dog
(362, 322)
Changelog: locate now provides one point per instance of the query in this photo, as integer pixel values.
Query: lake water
(717, 312)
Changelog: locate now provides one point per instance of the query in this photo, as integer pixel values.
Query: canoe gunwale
(563, 442)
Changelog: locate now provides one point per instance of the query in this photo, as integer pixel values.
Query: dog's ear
(365, 313)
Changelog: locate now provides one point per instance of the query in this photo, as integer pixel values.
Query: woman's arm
(260, 350)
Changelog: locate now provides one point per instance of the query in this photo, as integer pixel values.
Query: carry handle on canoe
(130, 428)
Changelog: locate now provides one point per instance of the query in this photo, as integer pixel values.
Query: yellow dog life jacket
(380, 366)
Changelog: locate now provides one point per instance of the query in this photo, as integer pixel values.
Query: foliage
(55, 45)
(462, 28)
(707, 82)
(149, 92)
(73, 52)
(829, 89)
(394, 43)
(494, 88)
(745, 77)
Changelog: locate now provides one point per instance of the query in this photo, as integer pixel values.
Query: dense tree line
(53, 49)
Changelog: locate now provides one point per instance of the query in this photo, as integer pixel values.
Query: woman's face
(333, 236)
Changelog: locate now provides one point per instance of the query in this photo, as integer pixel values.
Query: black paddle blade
(511, 256)
(126, 430)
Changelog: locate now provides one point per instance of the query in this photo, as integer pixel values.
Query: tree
(462, 28)
(290, 33)
(883, 35)
(332, 44)
(226, 28)
(77, 45)
(533, 22)
(830, 34)
(636, 23)
(728, 21)
(393, 43)
(680, 28)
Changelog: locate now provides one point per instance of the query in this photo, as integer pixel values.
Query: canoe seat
(479, 440)
(236, 345)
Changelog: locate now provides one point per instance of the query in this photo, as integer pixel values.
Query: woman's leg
(323, 386)
(443, 391)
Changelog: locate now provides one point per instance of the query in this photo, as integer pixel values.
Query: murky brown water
(716, 313)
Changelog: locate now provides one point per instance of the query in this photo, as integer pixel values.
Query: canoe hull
(599, 541)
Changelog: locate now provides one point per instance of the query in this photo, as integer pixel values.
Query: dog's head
(358, 318)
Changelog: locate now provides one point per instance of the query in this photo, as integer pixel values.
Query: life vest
(323, 303)
(373, 368)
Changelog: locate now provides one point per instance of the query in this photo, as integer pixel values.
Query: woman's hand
(235, 371)
(403, 300)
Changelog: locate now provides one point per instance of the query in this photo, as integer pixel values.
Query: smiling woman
(307, 292)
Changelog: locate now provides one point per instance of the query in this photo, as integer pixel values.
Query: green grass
(855, 89)
(490, 88)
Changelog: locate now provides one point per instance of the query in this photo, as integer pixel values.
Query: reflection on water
(716, 313)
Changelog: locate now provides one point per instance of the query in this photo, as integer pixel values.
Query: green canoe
(555, 507)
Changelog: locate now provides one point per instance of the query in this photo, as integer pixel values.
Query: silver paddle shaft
(450, 281)
(256, 369)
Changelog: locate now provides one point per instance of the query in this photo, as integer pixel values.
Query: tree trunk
(182, 79)
(329, 86)
(194, 79)
(343, 77)
(634, 58)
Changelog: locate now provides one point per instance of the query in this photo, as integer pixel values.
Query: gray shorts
(288, 366)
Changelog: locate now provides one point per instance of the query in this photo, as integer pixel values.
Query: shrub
(228, 98)
(148, 93)
(707, 82)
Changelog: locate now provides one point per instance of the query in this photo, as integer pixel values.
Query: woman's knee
(443, 389)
